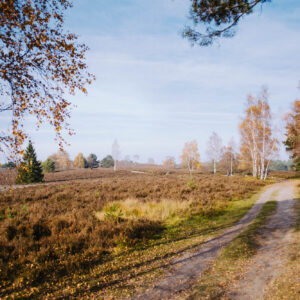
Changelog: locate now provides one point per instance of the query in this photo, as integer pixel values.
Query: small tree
(62, 160)
(92, 161)
(115, 152)
(214, 149)
(190, 156)
(48, 165)
(79, 161)
(107, 162)
(151, 161)
(30, 169)
(136, 158)
(169, 162)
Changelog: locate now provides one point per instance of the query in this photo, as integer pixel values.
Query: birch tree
(229, 157)
(232, 150)
(214, 149)
(62, 160)
(169, 162)
(292, 141)
(190, 156)
(39, 63)
(257, 140)
(115, 152)
(79, 161)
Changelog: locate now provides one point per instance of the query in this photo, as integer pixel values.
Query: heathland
(105, 232)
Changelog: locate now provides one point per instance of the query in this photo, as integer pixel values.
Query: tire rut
(272, 255)
(183, 273)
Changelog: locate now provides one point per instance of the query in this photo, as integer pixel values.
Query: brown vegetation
(50, 231)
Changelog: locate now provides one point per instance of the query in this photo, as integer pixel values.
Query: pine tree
(30, 169)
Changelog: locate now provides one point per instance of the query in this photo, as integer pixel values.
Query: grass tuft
(134, 209)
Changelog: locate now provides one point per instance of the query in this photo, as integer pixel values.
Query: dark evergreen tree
(217, 18)
(92, 161)
(107, 162)
(30, 169)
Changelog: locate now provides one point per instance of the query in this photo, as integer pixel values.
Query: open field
(8, 177)
(54, 236)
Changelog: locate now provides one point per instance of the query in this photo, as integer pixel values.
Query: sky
(154, 91)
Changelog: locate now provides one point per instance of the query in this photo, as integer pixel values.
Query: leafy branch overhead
(214, 19)
(39, 63)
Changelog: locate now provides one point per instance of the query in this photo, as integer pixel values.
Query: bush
(107, 162)
(48, 165)
(92, 161)
(8, 165)
(40, 230)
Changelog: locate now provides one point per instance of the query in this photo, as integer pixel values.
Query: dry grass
(284, 174)
(49, 232)
(132, 209)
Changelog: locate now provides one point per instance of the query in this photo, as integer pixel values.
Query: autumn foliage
(39, 63)
(293, 133)
(190, 157)
(258, 144)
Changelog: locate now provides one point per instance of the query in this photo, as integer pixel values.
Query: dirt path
(272, 255)
(183, 272)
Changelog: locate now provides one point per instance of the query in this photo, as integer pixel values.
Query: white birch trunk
(263, 152)
(189, 166)
(254, 145)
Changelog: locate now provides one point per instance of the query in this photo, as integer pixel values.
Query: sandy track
(183, 273)
(273, 252)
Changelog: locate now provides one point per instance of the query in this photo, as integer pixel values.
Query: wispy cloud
(154, 91)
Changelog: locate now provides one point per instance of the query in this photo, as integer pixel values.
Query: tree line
(259, 144)
(258, 147)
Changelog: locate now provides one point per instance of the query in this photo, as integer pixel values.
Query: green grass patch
(233, 258)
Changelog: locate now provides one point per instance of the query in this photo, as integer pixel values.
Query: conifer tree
(30, 169)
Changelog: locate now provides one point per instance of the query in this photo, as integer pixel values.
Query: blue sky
(154, 91)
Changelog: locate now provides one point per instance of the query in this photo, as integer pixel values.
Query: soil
(272, 255)
(183, 273)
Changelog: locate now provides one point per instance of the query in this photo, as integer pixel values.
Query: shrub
(92, 161)
(8, 165)
(48, 165)
(107, 162)
(40, 230)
